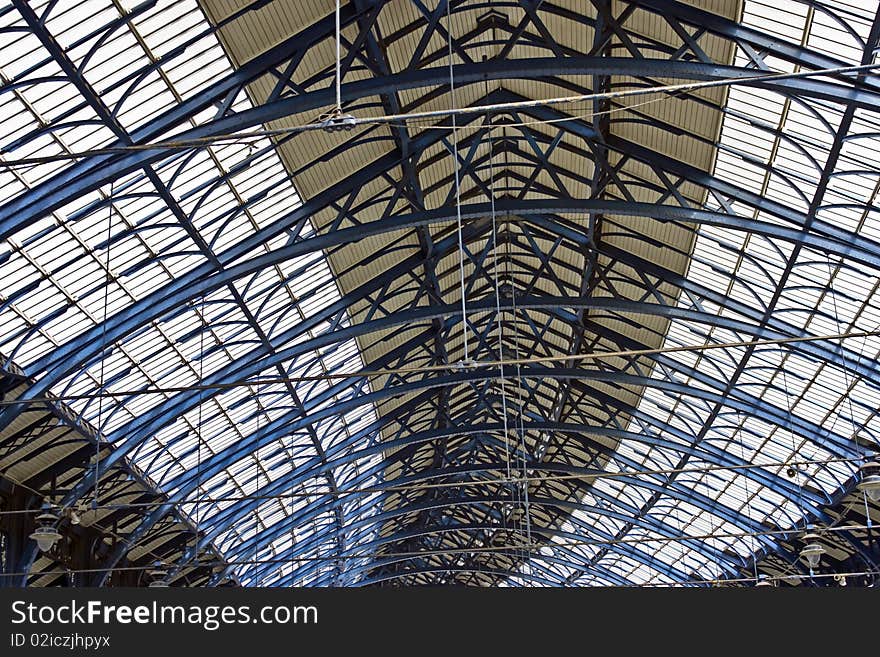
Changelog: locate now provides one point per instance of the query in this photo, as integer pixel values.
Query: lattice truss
(236, 278)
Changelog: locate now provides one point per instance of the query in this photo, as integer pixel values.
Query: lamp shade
(813, 550)
(869, 481)
(46, 535)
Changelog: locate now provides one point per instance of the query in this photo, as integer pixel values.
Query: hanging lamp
(813, 549)
(46, 534)
(869, 480)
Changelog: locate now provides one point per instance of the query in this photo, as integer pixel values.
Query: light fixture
(46, 534)
(813, 550)
(156, 573)
(336, 121)
(869, 480)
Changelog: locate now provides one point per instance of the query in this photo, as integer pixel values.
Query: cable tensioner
(336, 121)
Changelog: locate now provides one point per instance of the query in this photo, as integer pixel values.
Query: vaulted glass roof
(100, 254)
(211, 306)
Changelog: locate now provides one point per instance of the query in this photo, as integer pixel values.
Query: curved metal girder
(623, 548)
(791, 53)
(625, 513)
(78, 181)
(307, 470)
(292, 421)
(195, 283)
(288, 422)
(708, 453)
(571, 558)
(547, 533)
(158, 308)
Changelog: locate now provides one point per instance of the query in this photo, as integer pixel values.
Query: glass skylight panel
(225, 191)
(749, 269)
(229, 192)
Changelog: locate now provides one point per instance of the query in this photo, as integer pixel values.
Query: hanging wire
(795, 450)
(455, 166)
(197, 509)
(465, 482)
(849, 386)
(849, 389)
(99, 438)
(338, 61)
(794, 447)
(453, 112)
(256, 457)
(523, 483)
(682, 546)
(748, 506)
(495, 271)
(510, 363)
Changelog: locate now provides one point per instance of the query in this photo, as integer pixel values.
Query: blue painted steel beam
(706, 504)
(740, 400)
(69, 185)
(154, 306)
(617, 510)
(622, 548)
(571, 559)
(817, 243)
(307, 471)
(689, 315)
(546, 533)
(268, 435)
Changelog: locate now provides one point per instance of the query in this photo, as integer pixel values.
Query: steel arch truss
(257, 307)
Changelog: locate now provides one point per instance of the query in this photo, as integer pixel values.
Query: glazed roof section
(121, 65)
(777, 148)
(62, 276)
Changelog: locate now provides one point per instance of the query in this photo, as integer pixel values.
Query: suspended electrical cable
(259, 467)
(338, 61)
(197, 508)
(597, 475)
(100, 435)
(521, 486)
(489, 364)
(453, 112)
(532, 547)
(849, 388)
(499, 323)
(748, 505)
(455, 167)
